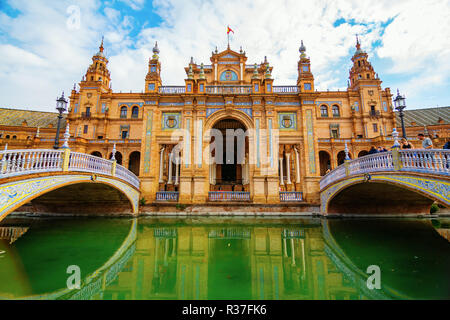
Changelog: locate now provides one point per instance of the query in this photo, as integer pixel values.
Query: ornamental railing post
(396, 151)
(113, 167)
(347, 160)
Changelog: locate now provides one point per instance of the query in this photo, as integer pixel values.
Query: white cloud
(134, 4)
(415, 46)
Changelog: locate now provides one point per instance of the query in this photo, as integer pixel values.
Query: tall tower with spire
(98, 74)
(362, 70)
(153, 78)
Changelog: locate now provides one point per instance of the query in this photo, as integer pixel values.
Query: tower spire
(101, 45)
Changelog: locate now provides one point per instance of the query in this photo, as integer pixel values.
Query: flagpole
(228, 35)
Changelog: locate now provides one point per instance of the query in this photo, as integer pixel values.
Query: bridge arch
(15, 194)
(395, 182)
(386, 193)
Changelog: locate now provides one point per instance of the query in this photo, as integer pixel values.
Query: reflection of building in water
(12, 233)
(207, 262)
(445, 233)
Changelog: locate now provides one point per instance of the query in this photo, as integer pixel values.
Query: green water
(213, 258)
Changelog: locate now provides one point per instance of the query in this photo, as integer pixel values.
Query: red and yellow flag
(229, 30)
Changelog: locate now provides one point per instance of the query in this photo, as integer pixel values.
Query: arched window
(324, 111)
(135, 112)
(336, 112)
(123, 112)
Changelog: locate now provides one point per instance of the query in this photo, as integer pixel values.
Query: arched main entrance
(229, 164)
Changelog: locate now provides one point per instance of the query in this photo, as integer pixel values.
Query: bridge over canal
(394, 182)
(61, 181)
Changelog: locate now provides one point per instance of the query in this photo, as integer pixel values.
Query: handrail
(172, 89)
(285, 89)
(23, 162)
(414, 160)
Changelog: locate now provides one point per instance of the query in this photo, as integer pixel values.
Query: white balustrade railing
(430, 161)
(17, 162)
(127, 175)
(172, 89)
(291, 196)
(413, 160)
(167, 196)
(229, 196)
(285, 89)
(85, 162)
(229, 89)
(22, 162)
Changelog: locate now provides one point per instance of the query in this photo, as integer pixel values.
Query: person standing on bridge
(426, 142)
(406, 144)
(447, 144)
(373, 150)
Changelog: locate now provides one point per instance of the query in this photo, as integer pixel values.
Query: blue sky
(46, 46)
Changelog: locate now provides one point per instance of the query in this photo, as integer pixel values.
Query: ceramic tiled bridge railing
(435, 162)
(25, 162)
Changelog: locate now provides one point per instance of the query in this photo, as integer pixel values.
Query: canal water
(215, 258)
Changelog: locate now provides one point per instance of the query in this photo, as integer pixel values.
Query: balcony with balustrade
(229, 196)
(172, 89)
(167, 196)
(228, 90)
(286, 89)
(291, 196)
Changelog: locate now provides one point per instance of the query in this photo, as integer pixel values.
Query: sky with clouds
(46, 45)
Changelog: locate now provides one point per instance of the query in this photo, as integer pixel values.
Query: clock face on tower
(305, 69)
(153, 69)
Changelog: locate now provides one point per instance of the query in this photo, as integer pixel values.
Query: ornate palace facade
(168, 134)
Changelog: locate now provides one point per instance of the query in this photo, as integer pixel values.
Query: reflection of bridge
(61, 180)
(96, 282)
(395, 182)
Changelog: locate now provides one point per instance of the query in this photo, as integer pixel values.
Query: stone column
(169, 181)
(161, 165)
(297, 165)
(288, 168)
(177, 173)
(281, 172)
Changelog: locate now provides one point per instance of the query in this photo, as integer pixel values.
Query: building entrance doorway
(229, 170)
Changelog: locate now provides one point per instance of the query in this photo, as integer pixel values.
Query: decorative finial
(217, 50)
(202, 71)
(268, 74)
(241, 50)
(155, 51)
(191, 72)
(38, 132)
(395, 136)
(113, 153)
(192, 60)
(302, 48)
(255, 72)
(101, 45)
(265, 60)
(347, 156)
(66, 137)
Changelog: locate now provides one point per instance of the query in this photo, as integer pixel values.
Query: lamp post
(400, 105)
(61, 106)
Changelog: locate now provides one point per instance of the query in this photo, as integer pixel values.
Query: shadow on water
(413, 257)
